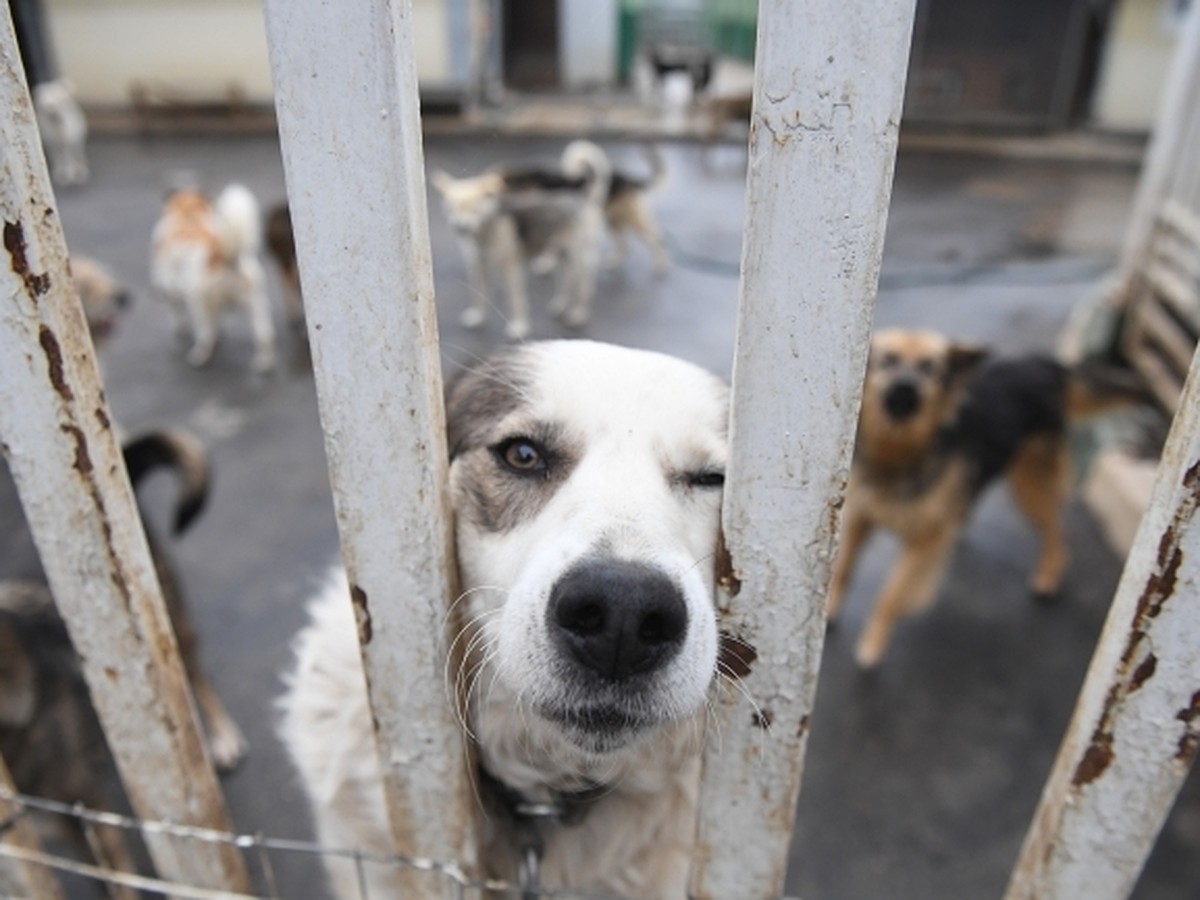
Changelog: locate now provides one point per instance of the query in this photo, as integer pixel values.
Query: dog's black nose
(617, 618)
(901, 400)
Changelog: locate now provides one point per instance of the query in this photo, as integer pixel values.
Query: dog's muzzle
(617, 619)
(901, 400)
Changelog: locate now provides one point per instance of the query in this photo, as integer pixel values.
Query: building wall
(1138, 53)
(588, 42)
(201, 47)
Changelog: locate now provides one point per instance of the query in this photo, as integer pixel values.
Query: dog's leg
(108, 846)
(910, 587)
(579, 285)
(225, 740)
(855, 531)
(259, 310)
(475, 314)
(643, 223)
(512, 266)
(1040, 479)
(203, 330)
(620, 254)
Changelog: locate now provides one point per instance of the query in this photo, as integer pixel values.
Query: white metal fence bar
(19, 878)
(828, 91)
(1136, 727)
(346, 97)
(67, 465)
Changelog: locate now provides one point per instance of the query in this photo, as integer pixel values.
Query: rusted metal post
(829, 83)
(346, 95)
(18, 878)
(58, 439)
(1136, 726)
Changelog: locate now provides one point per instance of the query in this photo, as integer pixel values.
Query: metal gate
(828, 92)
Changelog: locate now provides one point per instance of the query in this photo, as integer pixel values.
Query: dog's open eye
(926, 366)
(522, 456)
(889, 360)
(705, 478)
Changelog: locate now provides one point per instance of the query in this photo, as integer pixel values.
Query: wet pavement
(922, 776)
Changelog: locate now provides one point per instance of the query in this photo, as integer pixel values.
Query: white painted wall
(588, 42)
(201, 46)
(1141, 39)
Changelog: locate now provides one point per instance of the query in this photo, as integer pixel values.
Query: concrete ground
(921, 777)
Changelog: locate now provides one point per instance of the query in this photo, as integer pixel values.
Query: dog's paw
(517, 330)
(472, 317)
(228, 747)
(575, 317)
(199, 356)
(1044, 597)
(263, 365)
(868, 654)
(558, 305)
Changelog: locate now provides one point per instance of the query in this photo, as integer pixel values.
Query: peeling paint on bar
(828, 90)
(1134, 733)
(378, 378)
(69, 473)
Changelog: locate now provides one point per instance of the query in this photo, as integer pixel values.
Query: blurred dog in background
(939, 423)
(508, 218)
(205, 259)
(50, 736)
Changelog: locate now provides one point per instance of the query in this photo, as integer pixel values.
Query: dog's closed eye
(705, 478)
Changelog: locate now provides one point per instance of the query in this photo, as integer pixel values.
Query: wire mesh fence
(263, 854)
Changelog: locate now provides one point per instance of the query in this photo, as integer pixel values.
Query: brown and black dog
(49, 734)
(940, 422)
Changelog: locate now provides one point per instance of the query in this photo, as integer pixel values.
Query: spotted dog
(205, 259)
(586, 484)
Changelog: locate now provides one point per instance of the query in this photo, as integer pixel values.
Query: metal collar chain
(527, 817)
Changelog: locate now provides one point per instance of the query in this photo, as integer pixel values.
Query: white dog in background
(204, 259)
(63, 129)
(586, 486)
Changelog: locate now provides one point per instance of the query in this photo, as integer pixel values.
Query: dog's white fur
(638, 425)
(64, 131)
(485, 216)
(205, 257)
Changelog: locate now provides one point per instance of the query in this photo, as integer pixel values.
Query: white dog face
(586, 480)
(469, 203)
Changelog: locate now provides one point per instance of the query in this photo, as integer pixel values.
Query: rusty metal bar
(1136, 727)
(346, 96)
(58, 439)
(828, 89)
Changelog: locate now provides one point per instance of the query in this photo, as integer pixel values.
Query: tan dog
(205, 258)
(938, 425)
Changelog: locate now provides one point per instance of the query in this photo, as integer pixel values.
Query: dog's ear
(18, 682)
(441, 180)
(963, 359)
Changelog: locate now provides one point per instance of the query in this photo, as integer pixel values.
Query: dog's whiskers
(732, 678)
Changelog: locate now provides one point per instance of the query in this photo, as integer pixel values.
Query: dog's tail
(583, 159)
(176, 449)
(241, 221)
(1095, 388)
